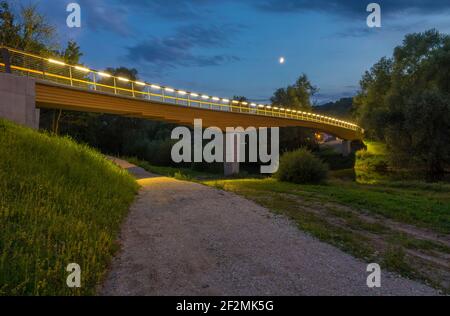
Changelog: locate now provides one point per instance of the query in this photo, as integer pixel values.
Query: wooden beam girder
(61, 97)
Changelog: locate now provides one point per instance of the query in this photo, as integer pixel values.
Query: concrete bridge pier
(18, 100)
(346, 148)
(231, 150)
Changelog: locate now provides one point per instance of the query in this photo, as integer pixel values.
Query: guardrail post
(7, 60)
(71, 78)
(148, 93)
(94, 77)
(115, 86)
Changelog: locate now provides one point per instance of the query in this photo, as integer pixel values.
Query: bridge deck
(53, 96)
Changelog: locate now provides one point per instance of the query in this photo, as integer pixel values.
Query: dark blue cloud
(177, 50)
(179, 9)
(353, 7)
(105, 15)
(114, 15)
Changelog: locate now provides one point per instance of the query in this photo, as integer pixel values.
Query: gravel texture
(183, 238)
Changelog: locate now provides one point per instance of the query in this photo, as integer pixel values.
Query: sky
(232, 47)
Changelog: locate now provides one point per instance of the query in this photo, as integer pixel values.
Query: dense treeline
(404, 101)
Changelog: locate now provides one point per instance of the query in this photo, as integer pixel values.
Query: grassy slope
(60, 202)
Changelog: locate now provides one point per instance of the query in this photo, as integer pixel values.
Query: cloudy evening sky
(232, 47)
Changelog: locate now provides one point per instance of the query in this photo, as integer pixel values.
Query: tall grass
(60, 203)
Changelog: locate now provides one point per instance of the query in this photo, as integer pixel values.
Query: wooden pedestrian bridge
(79, 88)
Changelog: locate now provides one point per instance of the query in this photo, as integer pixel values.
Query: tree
(72, 53)
(240, 98)
(421, 136)
(370, 104)
(404, 101)
(297, 96)
(29, 31)
(9, 30)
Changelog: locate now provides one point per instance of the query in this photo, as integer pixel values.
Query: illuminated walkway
(78, 88)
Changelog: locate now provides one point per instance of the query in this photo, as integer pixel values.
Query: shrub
(301, 167)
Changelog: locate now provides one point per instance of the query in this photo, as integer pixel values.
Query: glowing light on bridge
(205, 97)
(169, 90)
(139, 83)
(104, 74)
(181, 92)
(154, 86)
(123, 79)
(82, 69)
(194, 95)
(57, 62)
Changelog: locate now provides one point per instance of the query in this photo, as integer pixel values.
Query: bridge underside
(52, 96)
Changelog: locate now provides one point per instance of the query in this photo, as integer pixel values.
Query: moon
(282, 60)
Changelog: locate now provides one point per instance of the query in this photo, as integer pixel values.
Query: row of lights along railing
(191, 97)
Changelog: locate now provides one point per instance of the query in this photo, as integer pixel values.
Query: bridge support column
(346, 148)
(231, 154)
(18, 100)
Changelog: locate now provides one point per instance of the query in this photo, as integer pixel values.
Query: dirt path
(183, 238)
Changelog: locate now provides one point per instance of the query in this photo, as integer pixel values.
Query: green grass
(428, 209)
(60, 203)
(178, 173)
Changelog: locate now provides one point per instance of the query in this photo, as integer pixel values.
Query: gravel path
(183, 238)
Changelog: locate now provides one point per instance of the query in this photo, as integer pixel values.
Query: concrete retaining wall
(18, 100)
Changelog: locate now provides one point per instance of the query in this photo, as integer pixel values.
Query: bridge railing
(57, 71)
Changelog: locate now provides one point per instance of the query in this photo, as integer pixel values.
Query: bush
(302, 167)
